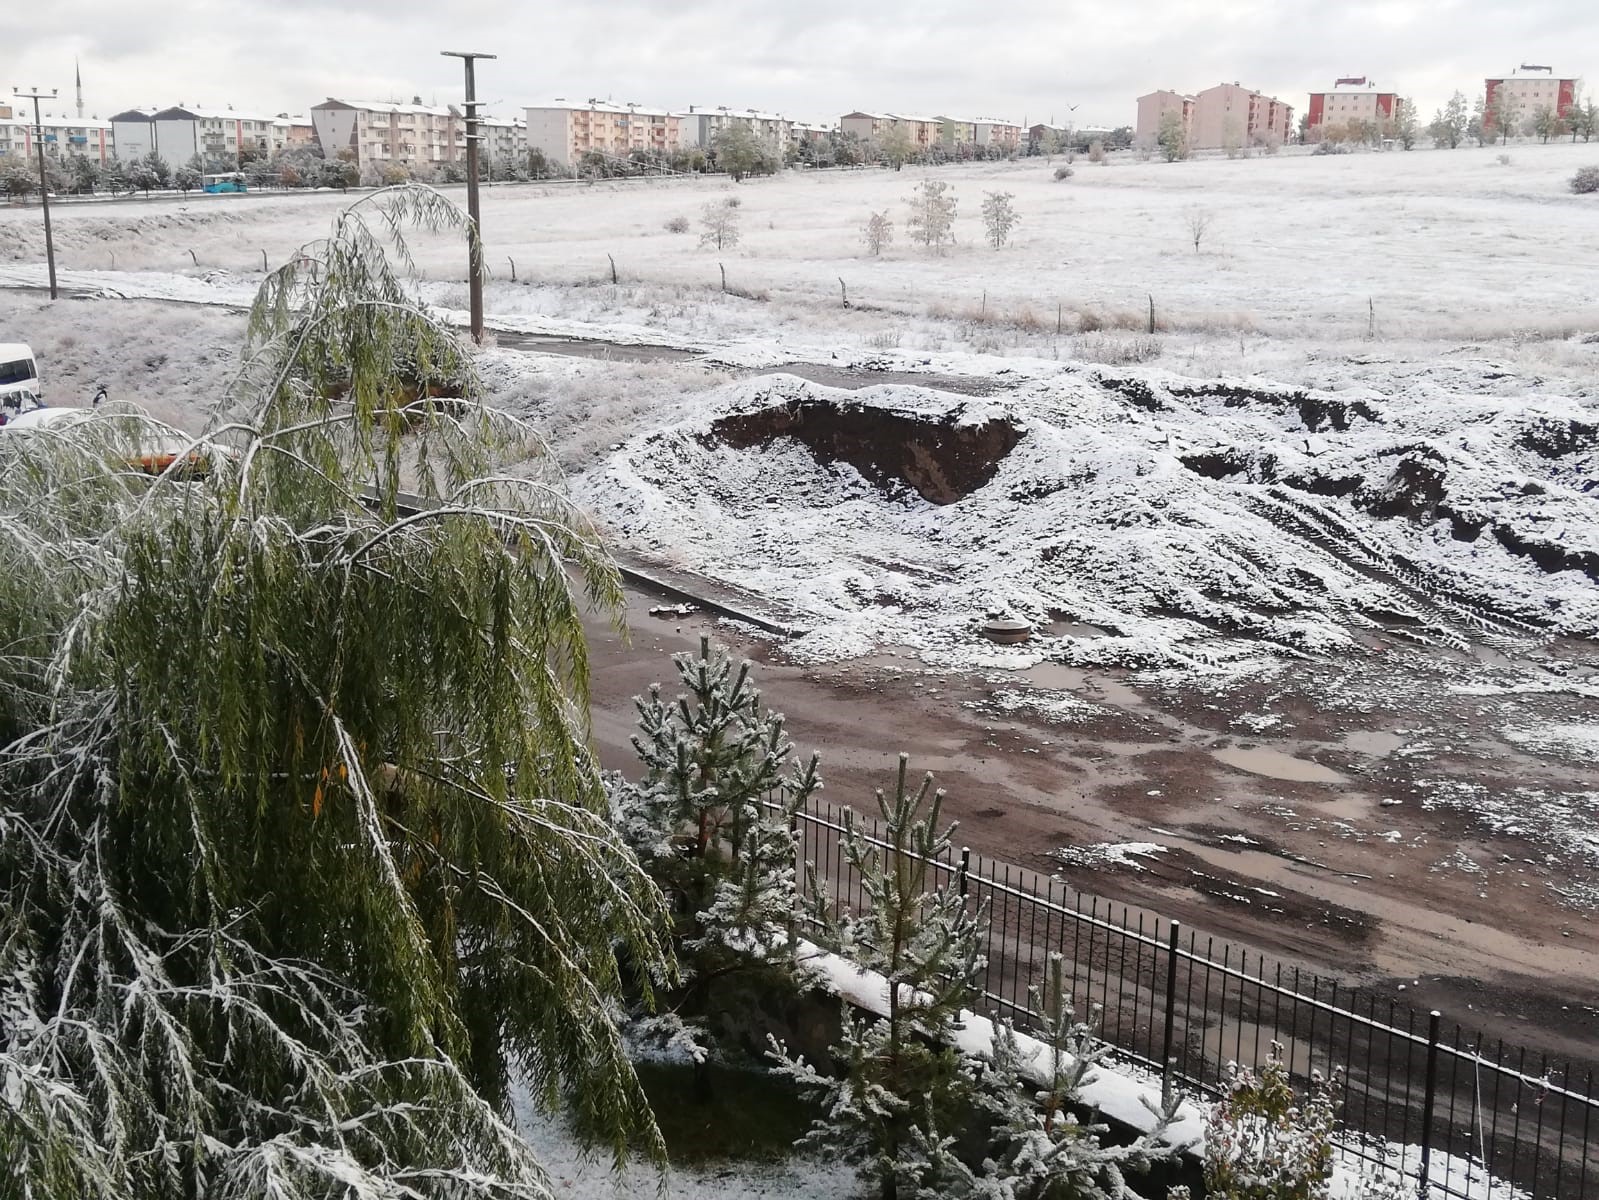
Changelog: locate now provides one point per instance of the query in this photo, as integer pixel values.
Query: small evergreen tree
(17, 179)
(932, 216)
(999, 217)
(899, 1076)
(711, 819)
(1546, 123)
(1405, 129)
(158, 168)
(1449, 123)
(1172, 137)
(186, 179)
(1041, 1150)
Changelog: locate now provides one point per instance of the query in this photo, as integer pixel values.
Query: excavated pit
(941, 461)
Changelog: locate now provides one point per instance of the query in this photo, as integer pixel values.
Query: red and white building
(1530, 88)
(1354, 98)
(64, 136)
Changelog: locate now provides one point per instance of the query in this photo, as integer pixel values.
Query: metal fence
(1460, 1113)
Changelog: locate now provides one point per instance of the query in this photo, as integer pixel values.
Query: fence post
(1427, 1103)
(1171, 1006)
(963, 876)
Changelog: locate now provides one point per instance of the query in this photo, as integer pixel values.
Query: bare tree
(878, 232)
(719, 225)
(999, 217)
(932, 219)
(1199, 222)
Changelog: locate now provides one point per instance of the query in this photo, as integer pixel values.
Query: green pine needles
(303, 856)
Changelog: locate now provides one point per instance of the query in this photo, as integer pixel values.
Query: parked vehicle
(166, 450)
(19, 378)
(233, 182)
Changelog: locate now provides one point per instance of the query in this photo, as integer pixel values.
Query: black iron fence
(1459, 1113)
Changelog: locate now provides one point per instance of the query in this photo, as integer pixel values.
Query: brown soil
(941, 460)
(1344, 872)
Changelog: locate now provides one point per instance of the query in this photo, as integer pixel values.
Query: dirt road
(1350, 817)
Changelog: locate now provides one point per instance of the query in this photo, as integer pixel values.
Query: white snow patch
(1109, 854)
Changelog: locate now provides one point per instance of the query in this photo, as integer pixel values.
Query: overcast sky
(1027, 60)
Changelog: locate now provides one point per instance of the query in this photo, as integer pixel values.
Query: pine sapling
(899, 1074)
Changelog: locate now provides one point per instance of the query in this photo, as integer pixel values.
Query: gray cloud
(1015, 58)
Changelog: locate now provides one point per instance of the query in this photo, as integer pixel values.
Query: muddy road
(1360, 819)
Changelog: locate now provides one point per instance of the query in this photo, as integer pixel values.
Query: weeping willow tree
(304, 862)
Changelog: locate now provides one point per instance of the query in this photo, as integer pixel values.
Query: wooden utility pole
(44, 184)
(475, 265)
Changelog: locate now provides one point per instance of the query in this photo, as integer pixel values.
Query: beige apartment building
(1232, 114)
(565, 130)
(1152, 110)
(1352, 99)
(923, 132)
(990, 131)
(382, 132)
(1530, 88)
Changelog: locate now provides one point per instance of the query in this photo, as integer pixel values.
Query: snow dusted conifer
(711, 819)
(1041, 1151)
(900, 1077)
(302, 851)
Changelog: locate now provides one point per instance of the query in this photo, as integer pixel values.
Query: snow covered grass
(1431, 244)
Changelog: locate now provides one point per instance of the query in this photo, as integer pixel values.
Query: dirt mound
(941, 460)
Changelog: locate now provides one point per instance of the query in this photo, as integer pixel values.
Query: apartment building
(1230, 113)
(957, 131)
(504, 140)
(380, 132)
(565, 130)
(923, 132)
(64, 136)
(806, 131)
(1152, 110)
(1531, 88)
(991, 131)
(700, 125)
(180, 133)
(1354, 98)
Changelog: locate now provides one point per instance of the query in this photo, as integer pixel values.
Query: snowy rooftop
(604, 106)
(390, 106)
(55, 122)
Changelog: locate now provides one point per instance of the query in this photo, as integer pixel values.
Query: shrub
(1096, 152)
(1330, 148)
(1586, 180)
(1504, 160)
(1063, 173)
(678, 224)
(732, 202)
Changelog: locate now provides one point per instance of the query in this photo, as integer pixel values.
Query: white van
(19, 377)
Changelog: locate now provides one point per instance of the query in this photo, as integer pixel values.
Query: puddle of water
(1276, 765)
(1057, 677)
(1076, 629)
(1374, 742)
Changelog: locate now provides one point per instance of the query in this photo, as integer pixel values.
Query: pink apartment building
(1218, 115)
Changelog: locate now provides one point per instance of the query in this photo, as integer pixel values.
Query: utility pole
(475, 265)
(44, 185)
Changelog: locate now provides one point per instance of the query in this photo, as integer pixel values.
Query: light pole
(44, 185)
(475, 264)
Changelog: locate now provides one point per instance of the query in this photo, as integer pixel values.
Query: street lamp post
(44, 184)
(475, 265)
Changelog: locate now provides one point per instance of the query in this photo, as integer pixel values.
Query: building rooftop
(604, 106)
(391, 106)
